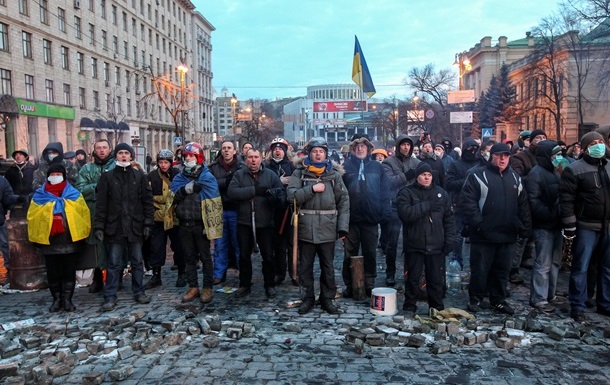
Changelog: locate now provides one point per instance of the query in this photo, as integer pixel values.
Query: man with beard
(88, 177)
(224, 168)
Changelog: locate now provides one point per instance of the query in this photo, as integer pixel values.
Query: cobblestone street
(253, 340)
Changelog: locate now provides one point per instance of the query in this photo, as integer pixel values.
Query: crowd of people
(486, 205)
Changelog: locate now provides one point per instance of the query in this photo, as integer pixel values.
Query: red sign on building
(347, 106)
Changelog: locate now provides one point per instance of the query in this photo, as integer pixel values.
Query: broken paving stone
(421, 328)
(481, 337)
(150, 346)
(58, 370)
(291, 327)
(12, 350)
(375, 339)
(515, 335)
(70, 359)
(457, 339)
(556, 333)
(93, 378)
(30, 342)
(590, 340)
(440, 347)
(453, 329)
(93, 347)
(441, 327)
(120, 373)
(215, 323)
(110, 346)
(125, 352)
(8, 369)
(172, 339)
(416, 341)
(169, 325)
(16, 380)
(386, 330)
(235, 333)
(211, 342)
(505, 343)
(358, 346)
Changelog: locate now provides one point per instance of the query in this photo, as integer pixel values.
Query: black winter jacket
(7, 198)
(396, 169)
(223, 178)
(124, 204)
(523, 162)
(369, 198)
(495, 205)
(438, 169)
(242, 190)
(542, 186)
(584, 194)
(426, 229)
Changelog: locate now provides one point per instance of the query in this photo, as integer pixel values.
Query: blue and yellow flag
(70, 204)
(360, 72)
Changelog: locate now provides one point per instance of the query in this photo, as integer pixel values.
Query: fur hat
(360, 139)
(124, 146)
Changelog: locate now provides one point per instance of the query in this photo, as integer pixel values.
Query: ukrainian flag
(360, 72)
(70, 204)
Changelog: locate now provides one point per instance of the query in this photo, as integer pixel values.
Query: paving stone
(481, 337)
(505, 343)
(457, 339)
(375, 339)
(125, 352)
(211, 342)
(416, 341)
(556, 333)
(453, 328)
(421, 328)
(440, 347)
(172, 339)
(8, 369)
(291, 327)
(386, 330)
(441, 327)
(358, 346)
(121, 373)
(58, 370)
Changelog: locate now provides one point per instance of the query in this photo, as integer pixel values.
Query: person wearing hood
(428, 236)
(456, 176)
(322, 204)
(257, 191)
(439, 152)
(124, 217)
(81, 158)
(53, 153)
(21, 174)
(448, 148)
(224, 168)
(88, 177)
(369, 206)
(542, 186)
(498, 212)
(279, 162)
(399, 171)
(584, 197)
(438, 169)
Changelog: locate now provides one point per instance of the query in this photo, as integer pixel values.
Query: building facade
(72, 61)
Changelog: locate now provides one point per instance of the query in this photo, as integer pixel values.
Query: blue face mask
(597, 151)
(559, 160)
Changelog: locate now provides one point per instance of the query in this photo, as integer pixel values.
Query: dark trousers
(196, 247)
(490, 265)
(282, 245)
(264, 239)
(176, 246)
(326, 254)
(363, 235)
(116, 253)
(157, 246)
(61, 268)
(433, 265)
(393, 232)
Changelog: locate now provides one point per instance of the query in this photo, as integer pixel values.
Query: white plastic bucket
(383, 301)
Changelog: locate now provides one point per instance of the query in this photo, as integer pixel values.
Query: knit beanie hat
(124, 146)
(535, 133)
(422, 168)
(589, 137)
(57, 167)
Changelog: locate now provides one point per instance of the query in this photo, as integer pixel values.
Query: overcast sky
(276, 48)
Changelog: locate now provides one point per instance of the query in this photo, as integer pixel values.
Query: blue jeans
(586, 244)
(221, 245)
(546, 265)
(114, 252)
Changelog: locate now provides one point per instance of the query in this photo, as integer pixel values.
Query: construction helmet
(194, 149)
(317, 141)
(279, 142)
(523, 136)
(165, 154)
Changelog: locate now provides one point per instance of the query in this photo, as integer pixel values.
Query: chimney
(530, 39)
(502, 41)
(486, 42)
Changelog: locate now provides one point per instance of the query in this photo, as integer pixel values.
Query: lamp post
(463, 65)
(182, 69)
(233, 104)
(306, 126)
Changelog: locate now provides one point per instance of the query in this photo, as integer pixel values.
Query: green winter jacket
(321, 215)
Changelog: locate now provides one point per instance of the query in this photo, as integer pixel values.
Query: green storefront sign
(27, 107)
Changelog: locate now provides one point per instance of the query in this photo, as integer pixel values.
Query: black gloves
(465, 231)
(21, 199)
(436, 204)
(99, 235)
(410, 174)
(147, 232)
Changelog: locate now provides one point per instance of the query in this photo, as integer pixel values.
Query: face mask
(438, 154)
(51, 157)
(123, 164)
(597, 151)
(557, 160)
(55, 179)
(190, 164)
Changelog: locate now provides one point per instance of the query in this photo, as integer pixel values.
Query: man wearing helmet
(258, 190)
(323, 209)
(279, 162)
(160, 180)
(198, 207)
(223, 168)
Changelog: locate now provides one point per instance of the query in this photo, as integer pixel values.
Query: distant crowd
(491, 207)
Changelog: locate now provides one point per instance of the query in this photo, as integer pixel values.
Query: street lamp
(463, 65)
(233, 104)
(182, 69)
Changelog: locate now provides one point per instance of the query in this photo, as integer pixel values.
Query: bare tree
(595, 11)
(429, 82)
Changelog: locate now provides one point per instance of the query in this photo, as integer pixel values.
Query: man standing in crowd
(584, 193)
(21, 174)
(53, 153)
(498, 212)
(323, 208)
(542, 186)
(399, 171)
(438, 169)
(428, 236)
(369, 205)
(257, 191)
(88, 177)
(123, 219)
(279, 162)
(198, 207)
(224, 168)
(160, 180)
(448, 148)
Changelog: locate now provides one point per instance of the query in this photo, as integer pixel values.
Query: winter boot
(98, 281)
(68, 292)
(55, 288)
(155, 280)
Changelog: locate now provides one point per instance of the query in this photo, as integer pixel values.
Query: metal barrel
(27, 266)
